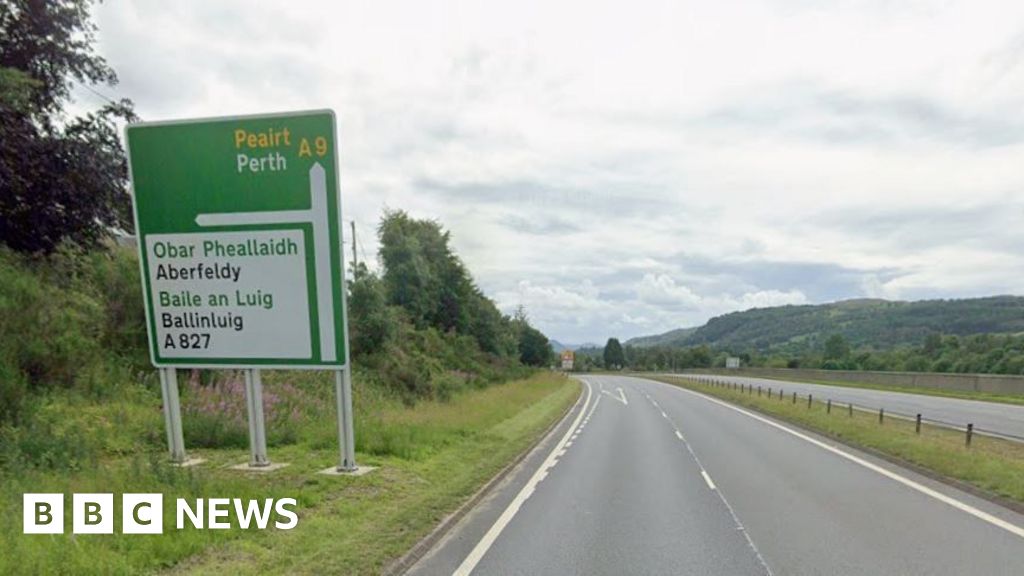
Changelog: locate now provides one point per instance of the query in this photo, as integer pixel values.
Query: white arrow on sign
(317, 216)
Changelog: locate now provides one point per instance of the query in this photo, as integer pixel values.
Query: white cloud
(626, 168)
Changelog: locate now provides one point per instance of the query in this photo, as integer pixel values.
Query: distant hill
(869, 323)
(558, 346)
(667, 339)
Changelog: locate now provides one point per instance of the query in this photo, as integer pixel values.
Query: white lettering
(184, 510)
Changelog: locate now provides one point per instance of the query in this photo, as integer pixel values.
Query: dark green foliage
(59, 179)
(423, 327)
(534, 347)
(981, 354)
(854, 335)
(836, 347)
(62, 318)
(424, 276)
(864, 323)
(613, 356)
(371, 321)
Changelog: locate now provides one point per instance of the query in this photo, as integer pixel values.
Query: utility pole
(355, 258)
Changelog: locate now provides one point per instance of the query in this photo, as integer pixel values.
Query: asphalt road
(654, 479)
(989, 416)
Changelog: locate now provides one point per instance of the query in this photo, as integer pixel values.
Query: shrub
(215, 414)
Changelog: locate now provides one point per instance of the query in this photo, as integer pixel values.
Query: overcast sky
(625, 168)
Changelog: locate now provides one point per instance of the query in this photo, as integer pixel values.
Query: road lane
(626, 498)
(991, 416)
(660, 480)
(813, 512)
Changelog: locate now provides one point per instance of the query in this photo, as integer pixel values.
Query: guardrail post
(828, 407)
(970, 432)
(850, 409)
(881, 415)
(809, 398)
(758, 391)
(794, 397)
(917, 424)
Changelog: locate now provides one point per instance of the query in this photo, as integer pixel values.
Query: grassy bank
(431, 457)
(991, 465)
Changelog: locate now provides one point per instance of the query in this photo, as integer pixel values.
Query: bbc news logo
(144, 513)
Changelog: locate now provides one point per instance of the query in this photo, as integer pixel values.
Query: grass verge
(445, 452)
(990, 465)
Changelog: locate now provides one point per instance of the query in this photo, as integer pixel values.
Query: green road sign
(239, 243)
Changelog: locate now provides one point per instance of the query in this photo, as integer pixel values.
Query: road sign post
(172, 414)
(240, 254)
(257, 427)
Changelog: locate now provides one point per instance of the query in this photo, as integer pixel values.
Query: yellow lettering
(304, 148)
(269, 138)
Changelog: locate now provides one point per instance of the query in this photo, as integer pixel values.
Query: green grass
(992, 465)
(431, 458)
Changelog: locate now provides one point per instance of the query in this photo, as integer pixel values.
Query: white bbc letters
(43, 513)
(92, 513)
(142, 514)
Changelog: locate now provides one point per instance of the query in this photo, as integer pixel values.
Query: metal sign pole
(257, 427)
(348, 454)
(172, 414)
(343, 385)
(342, 389)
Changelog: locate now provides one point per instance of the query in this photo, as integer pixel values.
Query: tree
(58, 180)
(424, 276)
(933, 344)
(533, 346)
(836, 347)
(614, 357)
(370, 321)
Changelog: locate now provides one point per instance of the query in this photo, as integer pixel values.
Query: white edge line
(707, 478)
(962, 506)
(499, 525)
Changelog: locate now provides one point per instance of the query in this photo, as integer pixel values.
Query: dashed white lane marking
(711, 485)
(485, 543)
(962, 506)
(707, 478)
(663, 415)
